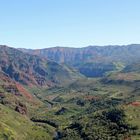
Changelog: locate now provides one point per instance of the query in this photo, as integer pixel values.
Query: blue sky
(73, 23)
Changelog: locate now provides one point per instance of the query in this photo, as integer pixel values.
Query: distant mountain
(32, 70)
(92, 61)
(89, 54)
(45, 97)
(134, 67)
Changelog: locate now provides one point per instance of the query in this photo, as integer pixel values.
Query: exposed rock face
(89, 54)
(92, 61)
(21, 108)
(32, 70)
(11, 88)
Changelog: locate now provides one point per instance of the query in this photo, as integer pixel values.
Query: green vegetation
(107, 125)
(82, 110)
(43, 100)
(14, 126)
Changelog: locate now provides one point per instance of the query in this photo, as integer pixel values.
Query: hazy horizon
(70, 46)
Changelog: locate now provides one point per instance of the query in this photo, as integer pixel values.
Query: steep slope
(94, 69)
(92, 61)
(69, 111)
(134, 67)
(89, 54)
(16, 107)
(130, 74)
(14, 126)
(32, 70)
(16, 97)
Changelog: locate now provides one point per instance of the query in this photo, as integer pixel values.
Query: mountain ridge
(89, 60)
(33, 70)
(66, 55)
(66, 104)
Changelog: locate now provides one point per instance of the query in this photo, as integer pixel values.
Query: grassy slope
(133, 114)
(129, 80)
(14, 126)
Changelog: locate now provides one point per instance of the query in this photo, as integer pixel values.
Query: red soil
(23, 91)
(135, 104)
(90, 97)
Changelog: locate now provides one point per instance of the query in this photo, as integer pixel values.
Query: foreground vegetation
(91, 109)
(67, 105)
